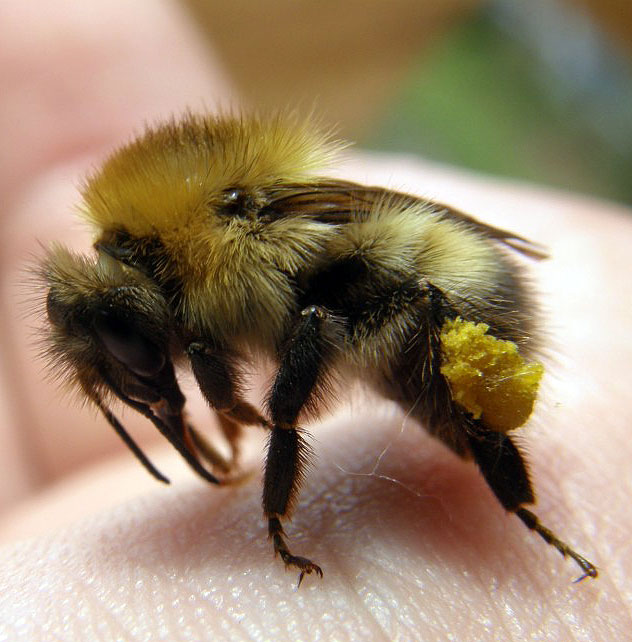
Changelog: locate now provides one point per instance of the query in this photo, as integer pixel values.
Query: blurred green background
(550, 103)
(538, 90)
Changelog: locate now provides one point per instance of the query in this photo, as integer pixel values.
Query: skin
(412, 543)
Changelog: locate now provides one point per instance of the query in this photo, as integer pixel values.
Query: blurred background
(539, 90)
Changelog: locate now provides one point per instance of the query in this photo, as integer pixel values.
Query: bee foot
(305, 566)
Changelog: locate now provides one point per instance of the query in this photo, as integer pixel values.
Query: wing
(339, 202)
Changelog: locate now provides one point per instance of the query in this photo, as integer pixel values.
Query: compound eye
(126, 344)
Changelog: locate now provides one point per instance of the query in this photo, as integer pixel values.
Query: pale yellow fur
(400, 239)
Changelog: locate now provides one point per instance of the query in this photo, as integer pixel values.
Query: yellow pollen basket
(487, 376)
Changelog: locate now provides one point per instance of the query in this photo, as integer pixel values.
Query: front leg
(218, 378)
(305, 360)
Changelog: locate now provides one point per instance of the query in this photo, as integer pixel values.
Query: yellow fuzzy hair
(171, 173)
(444, 251)
(169, 184)
(394, 238)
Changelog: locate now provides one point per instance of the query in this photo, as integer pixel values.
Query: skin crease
(418, 549)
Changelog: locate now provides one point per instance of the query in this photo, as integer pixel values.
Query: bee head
(107, 322)
(111, 336)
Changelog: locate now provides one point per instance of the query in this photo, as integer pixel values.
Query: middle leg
(301, 379)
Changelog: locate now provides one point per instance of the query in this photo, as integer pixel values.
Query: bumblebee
(219, 239)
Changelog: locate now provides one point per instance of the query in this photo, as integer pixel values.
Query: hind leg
(505, 471)
(420, 387)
